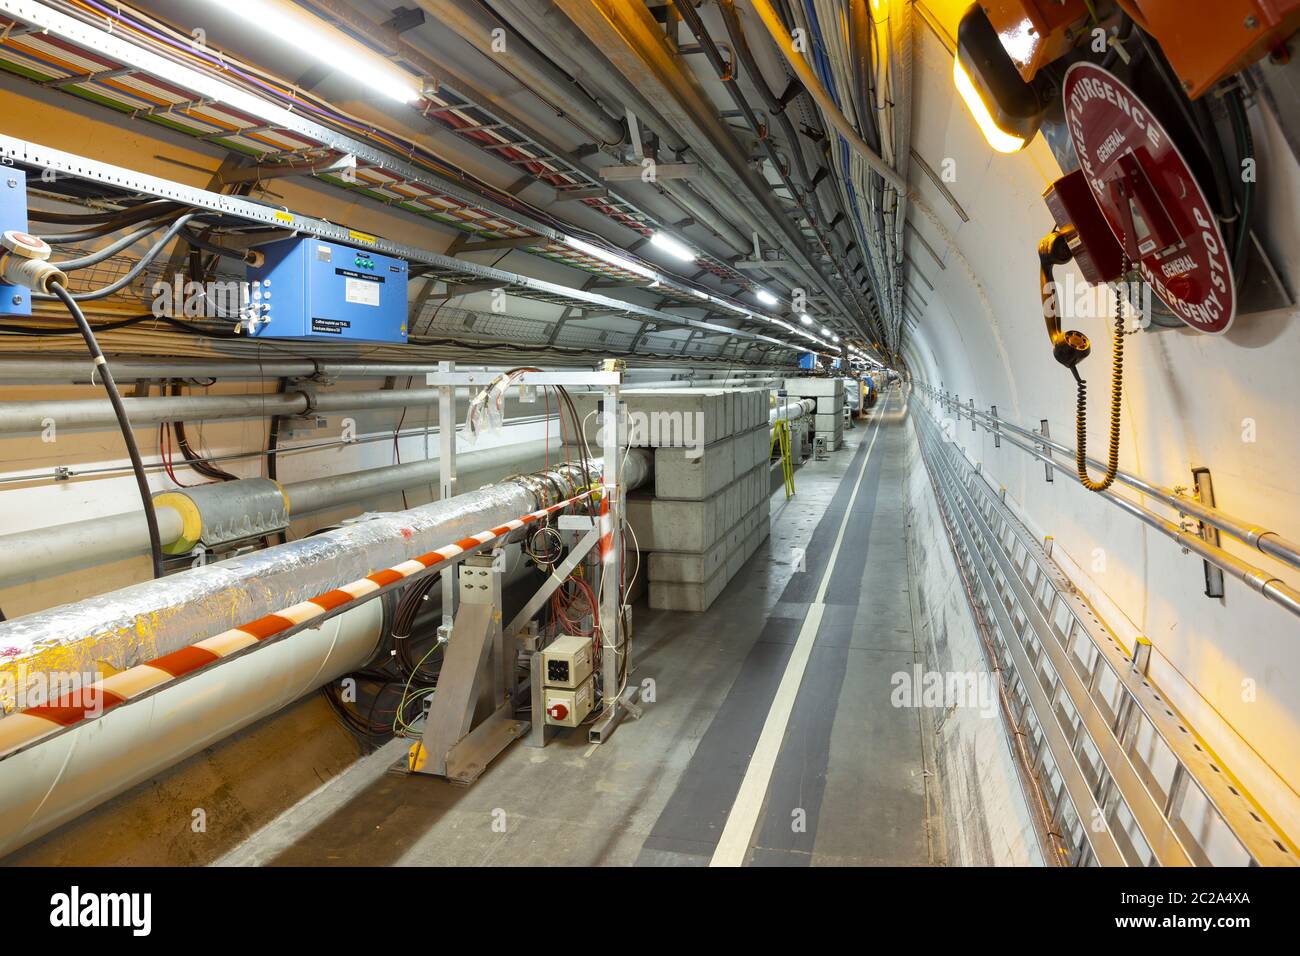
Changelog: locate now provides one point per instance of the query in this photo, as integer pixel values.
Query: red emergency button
(557, 711)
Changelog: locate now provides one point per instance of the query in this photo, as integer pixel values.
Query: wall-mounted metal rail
(1265, 541)
(1126, 779)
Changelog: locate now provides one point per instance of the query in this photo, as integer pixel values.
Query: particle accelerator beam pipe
(54, 781)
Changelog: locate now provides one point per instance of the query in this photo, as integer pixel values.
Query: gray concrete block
(829, 405)
(832, 424)
(690, 473)
(686, 567)
(682, 596)
(812, 387)
(663, 417)
(667, 525)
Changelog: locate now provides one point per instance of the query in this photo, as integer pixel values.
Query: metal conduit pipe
(628, 36)
(30, 555)
(475, 25)
(142, 621)
(805, 200)
(19, 418)
(1272, 587)
(78, 371)
(561, 40)
(1261, 539)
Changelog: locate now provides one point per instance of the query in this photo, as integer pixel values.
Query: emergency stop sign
(1144, 187)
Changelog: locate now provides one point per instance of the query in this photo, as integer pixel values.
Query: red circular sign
(1130, 161)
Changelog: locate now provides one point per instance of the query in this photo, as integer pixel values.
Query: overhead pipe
(628, 36)
(818, 92)
(561, 40)
(78, 371)
(806, 200)
(475, 25)
(19, 418)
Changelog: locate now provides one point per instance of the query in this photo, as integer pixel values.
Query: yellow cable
(1116, 403)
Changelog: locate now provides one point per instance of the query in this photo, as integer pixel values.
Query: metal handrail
(1262, 539)
(1257, 579)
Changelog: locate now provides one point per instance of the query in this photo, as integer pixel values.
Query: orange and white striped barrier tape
(27, 726)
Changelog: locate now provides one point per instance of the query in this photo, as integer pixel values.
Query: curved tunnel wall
(1227, 403)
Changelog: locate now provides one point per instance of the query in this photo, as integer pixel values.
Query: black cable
(193, 459)
(128, 436)
(85, 219)
(128, 218)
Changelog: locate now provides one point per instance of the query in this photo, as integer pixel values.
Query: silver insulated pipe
(55, 780)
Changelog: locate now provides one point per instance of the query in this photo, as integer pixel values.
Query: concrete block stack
(828, 420)
(707, 510)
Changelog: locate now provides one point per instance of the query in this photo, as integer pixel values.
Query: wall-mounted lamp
(1006, 108)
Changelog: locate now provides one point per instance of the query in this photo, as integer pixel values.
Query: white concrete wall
(1190, 400)
(985, 813)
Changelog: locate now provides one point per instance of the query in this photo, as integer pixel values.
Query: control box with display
(310, 288)
(566, 661)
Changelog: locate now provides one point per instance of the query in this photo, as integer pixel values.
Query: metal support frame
(608, 537)
(1204, 488)
(447, 481)
(613, 635)
(471, 714)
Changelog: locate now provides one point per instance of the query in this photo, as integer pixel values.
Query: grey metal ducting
(475, 25)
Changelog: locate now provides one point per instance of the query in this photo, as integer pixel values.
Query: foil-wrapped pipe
(153, 618)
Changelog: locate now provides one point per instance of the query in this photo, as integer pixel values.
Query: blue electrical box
(14, 299)
(311, 288)
(807, 360)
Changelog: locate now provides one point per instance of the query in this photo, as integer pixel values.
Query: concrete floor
(850, 782)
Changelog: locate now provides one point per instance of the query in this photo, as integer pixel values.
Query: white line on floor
(734, 843)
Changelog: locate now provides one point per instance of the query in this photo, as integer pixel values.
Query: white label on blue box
(362, 291)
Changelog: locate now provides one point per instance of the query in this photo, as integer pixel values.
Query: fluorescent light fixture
(613, 258)
(671, 246)
(312, 36)
(765, 297)
(806, 319)
(997, 137)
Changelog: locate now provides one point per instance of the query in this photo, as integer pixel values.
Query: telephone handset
(1083, 236)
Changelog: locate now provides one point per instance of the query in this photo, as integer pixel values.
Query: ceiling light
(765, 297)
(310, 35)
(613, 258)
(806, 319)
(671, 246)
(826, 331)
